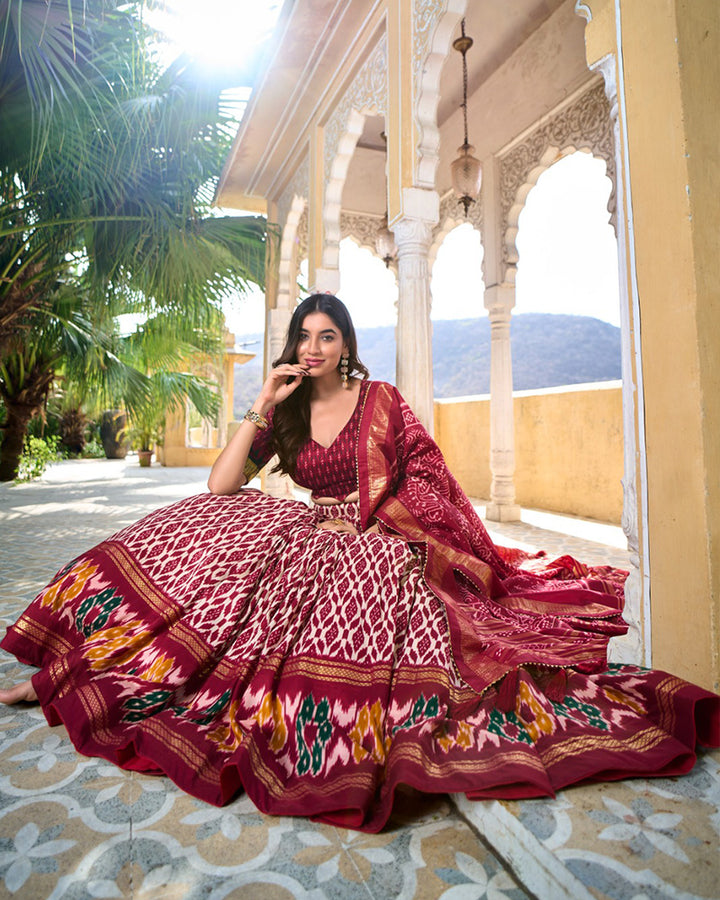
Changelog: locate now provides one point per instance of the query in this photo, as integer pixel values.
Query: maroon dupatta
(500, 617)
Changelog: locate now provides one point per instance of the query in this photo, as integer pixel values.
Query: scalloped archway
(434, 31)
(548, 159)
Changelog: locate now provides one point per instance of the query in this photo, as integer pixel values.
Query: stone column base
(496, 512)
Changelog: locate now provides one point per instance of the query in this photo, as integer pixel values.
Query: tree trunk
(17, 419)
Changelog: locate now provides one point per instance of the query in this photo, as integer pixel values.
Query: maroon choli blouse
(326, 471)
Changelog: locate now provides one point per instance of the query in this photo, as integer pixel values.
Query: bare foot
(23, 692)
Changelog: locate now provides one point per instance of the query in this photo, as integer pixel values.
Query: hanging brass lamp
(465, 171)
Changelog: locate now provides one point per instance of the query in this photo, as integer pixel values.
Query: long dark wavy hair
(291, 419)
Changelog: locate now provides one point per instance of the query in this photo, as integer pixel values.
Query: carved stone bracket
(363, 229)
(426, 14)
(584, 124)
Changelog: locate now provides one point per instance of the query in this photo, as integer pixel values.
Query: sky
(567, 248)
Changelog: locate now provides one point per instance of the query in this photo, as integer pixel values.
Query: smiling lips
(313, 363)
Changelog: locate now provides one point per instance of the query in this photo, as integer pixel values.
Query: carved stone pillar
(277, 322)
(327, 281)
(414, 329)
(413, 236)
(499, 302)
(633, 647)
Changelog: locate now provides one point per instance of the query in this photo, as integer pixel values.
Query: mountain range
(547, 351)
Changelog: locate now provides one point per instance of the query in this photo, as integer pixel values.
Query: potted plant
(147, 429)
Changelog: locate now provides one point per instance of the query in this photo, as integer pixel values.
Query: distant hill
(547, 351)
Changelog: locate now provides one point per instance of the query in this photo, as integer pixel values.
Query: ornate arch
(452, 215)
(584, 124)
(366, 95)
(433, 27)
(288, 267)
(297, 187)
(335, 184)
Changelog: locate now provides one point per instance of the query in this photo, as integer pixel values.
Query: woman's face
(320, 344)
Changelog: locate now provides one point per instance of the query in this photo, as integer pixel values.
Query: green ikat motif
(592, 713)
(147, 705)
(422, 709)
(206, 716)
(508, 726)
(103, 604)
(311, 758)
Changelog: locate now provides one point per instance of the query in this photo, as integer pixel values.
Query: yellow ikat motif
(540, 723)
(69, 586)
(369, 723)
(105, 649)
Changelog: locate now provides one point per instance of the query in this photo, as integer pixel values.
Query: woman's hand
(280, 383)
(227, 474)
(338, 525)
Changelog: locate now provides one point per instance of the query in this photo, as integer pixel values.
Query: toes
(23, 692)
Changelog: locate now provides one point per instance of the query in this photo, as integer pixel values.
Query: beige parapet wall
(568, 447)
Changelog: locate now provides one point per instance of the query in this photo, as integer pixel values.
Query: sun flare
(217, 33)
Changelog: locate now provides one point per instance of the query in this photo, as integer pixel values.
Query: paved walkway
(79, 828)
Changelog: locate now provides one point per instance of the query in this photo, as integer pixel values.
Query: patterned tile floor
(76, 828)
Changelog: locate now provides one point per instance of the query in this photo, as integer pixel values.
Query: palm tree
(105, 187)
(32, 358)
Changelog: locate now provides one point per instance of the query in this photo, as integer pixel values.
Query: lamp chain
(464, 64)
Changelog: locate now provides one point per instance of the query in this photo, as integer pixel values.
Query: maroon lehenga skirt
(231, 644)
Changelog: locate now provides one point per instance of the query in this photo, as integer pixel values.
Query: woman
(320, 656)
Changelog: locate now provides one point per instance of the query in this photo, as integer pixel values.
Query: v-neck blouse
(332, 471)
(326, 471)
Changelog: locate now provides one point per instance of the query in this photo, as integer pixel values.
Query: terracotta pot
(145, 457)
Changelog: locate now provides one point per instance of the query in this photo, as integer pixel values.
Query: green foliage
(93, 449)
(168, 390)
(108, 165)
(37, 456)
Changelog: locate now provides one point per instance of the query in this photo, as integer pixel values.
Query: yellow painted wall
(188, 456)
(568, 448)
(672, 72)
(670, 54)
(698, 27)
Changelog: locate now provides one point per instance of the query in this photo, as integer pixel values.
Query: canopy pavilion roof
(527, 57)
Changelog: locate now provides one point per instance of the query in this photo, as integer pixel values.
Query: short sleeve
(261, 451)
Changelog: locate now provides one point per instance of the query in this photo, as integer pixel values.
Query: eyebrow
(324, 331)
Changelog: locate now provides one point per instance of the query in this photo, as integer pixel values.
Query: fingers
(289, 370)
(337, 525)
(281, 382)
